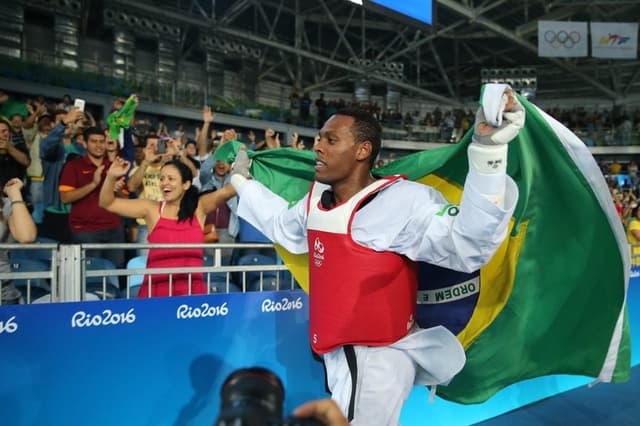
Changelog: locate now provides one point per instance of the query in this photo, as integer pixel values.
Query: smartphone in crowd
(162, 145)
(79, 103)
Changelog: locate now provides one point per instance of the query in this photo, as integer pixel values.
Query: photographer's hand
(325, 410)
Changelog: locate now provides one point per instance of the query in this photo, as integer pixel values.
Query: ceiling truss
(312, 44)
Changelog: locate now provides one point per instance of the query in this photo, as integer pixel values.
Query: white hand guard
(241, 165)
(494, 125)
(240, 170)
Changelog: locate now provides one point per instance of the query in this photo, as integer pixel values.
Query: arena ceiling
(330, 44)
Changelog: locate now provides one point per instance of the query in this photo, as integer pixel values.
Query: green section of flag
(10, 108)
(286, 171)
(569, 288)
(570, 279)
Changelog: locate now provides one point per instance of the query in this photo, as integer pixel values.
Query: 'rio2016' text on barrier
(105, 318)
(202, 311)
(9, 326)
(285, 304)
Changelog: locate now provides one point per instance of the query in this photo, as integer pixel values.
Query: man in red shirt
(80, 184)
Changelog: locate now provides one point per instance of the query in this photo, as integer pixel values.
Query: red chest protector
(356, 295)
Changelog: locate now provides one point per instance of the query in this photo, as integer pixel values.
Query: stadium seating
(218, 280)
(106, 287)
(135, 281)
(258, 280)
(35, 254)
(31, 288)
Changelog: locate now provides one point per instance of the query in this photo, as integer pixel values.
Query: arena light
(523, 79)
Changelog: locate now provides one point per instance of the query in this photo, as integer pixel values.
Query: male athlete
(364, 236)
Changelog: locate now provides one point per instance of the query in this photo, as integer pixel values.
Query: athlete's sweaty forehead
(337, 126)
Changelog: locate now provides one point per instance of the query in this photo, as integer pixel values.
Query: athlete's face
(336, 150)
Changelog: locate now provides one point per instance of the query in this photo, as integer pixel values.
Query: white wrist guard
(488, 159)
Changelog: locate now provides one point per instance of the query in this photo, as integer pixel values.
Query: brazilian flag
(553, 298)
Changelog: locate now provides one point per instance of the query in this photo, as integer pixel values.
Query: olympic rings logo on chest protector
(562, 38)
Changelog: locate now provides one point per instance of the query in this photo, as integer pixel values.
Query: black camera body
(254, 397)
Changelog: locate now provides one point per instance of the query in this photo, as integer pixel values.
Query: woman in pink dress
(178, 219)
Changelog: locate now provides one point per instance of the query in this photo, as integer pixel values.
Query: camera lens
(251, 397)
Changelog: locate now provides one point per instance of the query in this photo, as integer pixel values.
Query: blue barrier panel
(148, 362)
(635, 272)
(162, 361)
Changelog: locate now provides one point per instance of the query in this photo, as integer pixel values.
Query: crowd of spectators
(63, 154)
(595, 127)
(606, 127)
(624, 185)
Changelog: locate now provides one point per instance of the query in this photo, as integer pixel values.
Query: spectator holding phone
(175, 151)
(144, 180)
(55, 149)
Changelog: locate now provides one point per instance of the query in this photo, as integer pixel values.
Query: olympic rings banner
(563, 39)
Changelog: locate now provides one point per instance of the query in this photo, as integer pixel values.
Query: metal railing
(67, 273)
(21, 261)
